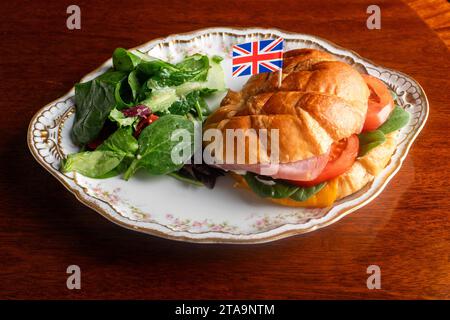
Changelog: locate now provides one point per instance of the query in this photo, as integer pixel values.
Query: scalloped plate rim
(290, 229)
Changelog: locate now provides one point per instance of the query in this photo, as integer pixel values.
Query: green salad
(114, 112)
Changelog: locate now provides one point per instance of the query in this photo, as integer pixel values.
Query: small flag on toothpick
(258, 57)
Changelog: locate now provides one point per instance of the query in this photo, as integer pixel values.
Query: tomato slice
(380, 103)
(342, 156)
(144, 123)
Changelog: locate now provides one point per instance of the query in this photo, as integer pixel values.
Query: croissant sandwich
(335, 130)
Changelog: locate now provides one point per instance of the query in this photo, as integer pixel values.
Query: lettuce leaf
(93, 164)
(162, 99)
(397, 119)
(369, 140)
(111, 158)
(123, 121)
(266, 187)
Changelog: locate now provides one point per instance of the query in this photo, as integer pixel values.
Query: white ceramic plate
(168, 208)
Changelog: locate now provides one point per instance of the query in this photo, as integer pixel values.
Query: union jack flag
(257, 57)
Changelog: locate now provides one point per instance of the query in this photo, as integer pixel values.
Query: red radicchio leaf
(137, 111)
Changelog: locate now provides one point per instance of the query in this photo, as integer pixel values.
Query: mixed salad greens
(114, 112)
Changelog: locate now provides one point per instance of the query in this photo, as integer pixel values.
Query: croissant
(320, 101)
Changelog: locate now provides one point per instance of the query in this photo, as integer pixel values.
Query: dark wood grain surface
(43, 228)
(436, 14)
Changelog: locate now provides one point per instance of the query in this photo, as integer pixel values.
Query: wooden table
(436, 14)
(43, 228)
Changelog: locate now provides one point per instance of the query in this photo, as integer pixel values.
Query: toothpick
(280, 72)
(280, 77)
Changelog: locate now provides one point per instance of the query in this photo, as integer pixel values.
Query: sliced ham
(303, 170)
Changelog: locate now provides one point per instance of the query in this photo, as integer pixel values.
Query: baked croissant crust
(366, 168)
(321, 100)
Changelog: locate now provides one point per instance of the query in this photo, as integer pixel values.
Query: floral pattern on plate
(167, 208)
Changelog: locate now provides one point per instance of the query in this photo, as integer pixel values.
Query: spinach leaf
(93, 164)
(111, 158)
(123, 165)
(370, 140)
(153, 66)
(180, 107)
(186, 179)
(269, 189)
(194, 69)
(303, 193)
(124, 60)
(134, 83)
(121, 141)
(94, 101)
(397, 119)
(123, 95)
(193, 103)
(156, 145)
(214, 82)
(196, 62)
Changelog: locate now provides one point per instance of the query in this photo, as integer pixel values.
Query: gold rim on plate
(90, 201)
